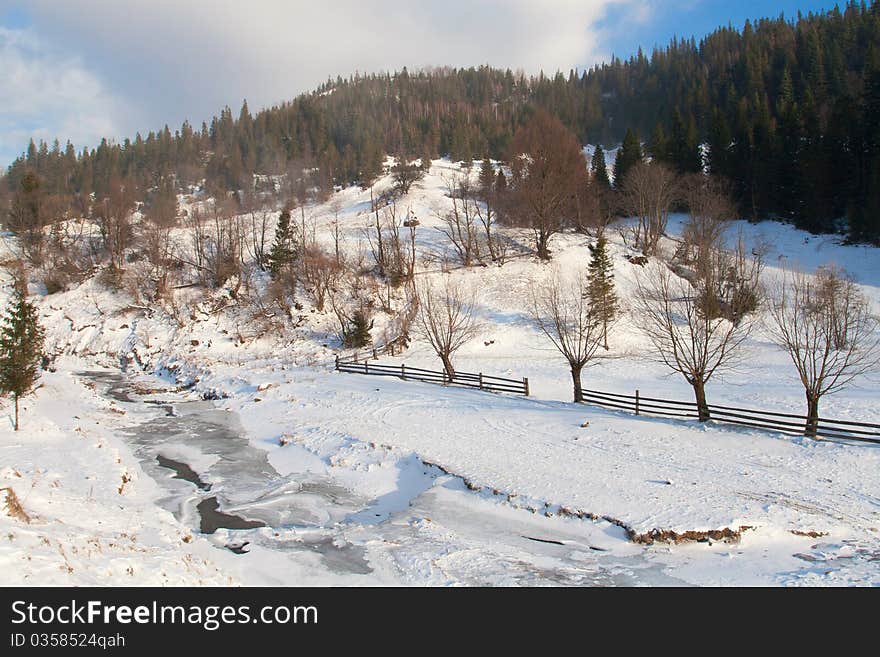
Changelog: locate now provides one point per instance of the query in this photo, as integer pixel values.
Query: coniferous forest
(788, 111)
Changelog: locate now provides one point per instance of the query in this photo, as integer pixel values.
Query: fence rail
(782, 422)
(353, 365)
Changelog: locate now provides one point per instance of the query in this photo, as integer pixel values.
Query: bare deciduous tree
(320, 273)
(445, 318)
(684, 337)
(27, 216)
(561, 310)
(336, 207)
(216, 240)
(404, 174)
(649, 192)
(710, 207)
(825, 324)
(393, 252)
(113, 216)
(546, 163)
(460, 223)
(259, 242)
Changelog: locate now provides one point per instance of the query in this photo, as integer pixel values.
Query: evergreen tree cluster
(789, 111)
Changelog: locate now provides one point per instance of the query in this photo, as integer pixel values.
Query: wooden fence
(782, 422)
(352, 365)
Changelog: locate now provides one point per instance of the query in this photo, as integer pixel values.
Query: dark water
(183, 471)
(212, 519)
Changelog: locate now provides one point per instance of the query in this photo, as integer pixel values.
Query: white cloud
(172, 60)
(45, 95)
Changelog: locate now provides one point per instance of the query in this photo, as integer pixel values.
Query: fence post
(526, 385)
(337, 361)
(637, 402)
(481, 380)
(366, 367)
(403, 371)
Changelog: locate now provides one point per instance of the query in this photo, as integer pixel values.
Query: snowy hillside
(369, 480)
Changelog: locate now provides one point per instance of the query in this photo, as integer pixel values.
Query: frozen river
(307, 527)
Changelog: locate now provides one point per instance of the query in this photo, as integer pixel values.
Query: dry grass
(13, 506)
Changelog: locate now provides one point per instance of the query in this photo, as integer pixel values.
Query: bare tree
(393, 253)
(460, 223)
(710, 207)
(404, 174)
(159, 249)
(825, 324)
(27, 216)
(113, 215)
(546, 163)
(445, 318)
(687, 339)
(216, 239)
(561, 309)
(162, 207)
(320, 273)
(486, 192)
(336, 207)
(259, 242)
(649, 192)
(353, 311)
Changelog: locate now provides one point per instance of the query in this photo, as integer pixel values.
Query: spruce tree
(628, 156)
(599, 168)
(659, 146)
(600, 286)
(487, 176)
(683, 147)
(21, 347)
(357, 333)
(283, 250)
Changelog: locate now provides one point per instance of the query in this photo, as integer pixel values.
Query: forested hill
(790, 111)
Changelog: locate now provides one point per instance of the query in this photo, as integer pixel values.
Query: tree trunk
(700, 393)
(576, 380)
(447, 365)
(541, 244)
(812, 425)
(16, 412)
(605, 333)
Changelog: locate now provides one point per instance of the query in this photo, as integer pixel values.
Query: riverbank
(91, 513)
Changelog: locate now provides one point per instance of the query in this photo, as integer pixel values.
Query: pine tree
(599, 168)
(283, 251)
(501, 183)
(357, 333)
(487, 176)
(683, 147)
(629, 154)
(719, 146)
(600, 286)
(21, 347)
(659, 146)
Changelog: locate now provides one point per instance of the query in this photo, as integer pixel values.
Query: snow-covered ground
(367, 480)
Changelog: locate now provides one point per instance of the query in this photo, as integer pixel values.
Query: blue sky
(686, 18)
(83, 69)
